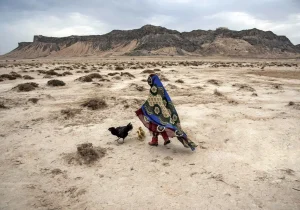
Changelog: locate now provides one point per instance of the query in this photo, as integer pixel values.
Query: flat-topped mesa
(157, 40)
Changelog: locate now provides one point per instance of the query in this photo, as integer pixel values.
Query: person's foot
(153, 143)
(167, 142)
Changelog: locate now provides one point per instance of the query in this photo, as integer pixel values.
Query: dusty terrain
(244, 115)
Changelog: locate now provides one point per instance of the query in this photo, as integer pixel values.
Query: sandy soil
(244, 119)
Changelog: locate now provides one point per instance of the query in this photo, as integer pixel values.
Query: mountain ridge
(156, 40)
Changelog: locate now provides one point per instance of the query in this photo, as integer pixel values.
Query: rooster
(121, 132)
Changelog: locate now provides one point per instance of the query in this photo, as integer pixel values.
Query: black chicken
(121, 132)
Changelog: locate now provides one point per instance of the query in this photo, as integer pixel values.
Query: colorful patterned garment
(159, 115)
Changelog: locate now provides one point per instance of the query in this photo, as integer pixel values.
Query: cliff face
(154, 40)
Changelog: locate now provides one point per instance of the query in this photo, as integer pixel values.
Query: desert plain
(244, 114)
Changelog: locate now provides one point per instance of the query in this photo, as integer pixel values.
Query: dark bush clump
(95, 103)
(55, 82)
(26, 87)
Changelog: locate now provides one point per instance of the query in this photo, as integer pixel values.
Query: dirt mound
(55, 82)
(86, 154)
(26, 87)
(95, 103)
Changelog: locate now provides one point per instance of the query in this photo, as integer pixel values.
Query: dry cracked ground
(56, 151)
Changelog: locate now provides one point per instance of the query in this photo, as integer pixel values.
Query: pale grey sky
(20, 20)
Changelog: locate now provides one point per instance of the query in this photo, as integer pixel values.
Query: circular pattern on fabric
(175, 117)
(161, 128)
(157, 109)
(165, 102)
(172, 121)
(178, 133)
(146, 119)
(153, 90)
(150, 82)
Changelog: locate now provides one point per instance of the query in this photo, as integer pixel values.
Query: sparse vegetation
(218, 93)
(28, 77)
(55, 82)
(179, 81)
(33, 100)
(70, 113)
(95, 103)
(214, 82)
(26, 87)
(86, 154)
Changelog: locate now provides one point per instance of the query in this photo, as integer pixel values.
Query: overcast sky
(21, 19)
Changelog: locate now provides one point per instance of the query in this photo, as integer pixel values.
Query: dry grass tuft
(95, 103)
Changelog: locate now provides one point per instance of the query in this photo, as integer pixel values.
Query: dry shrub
(164, 78)
(7, 76)
(70, 113)
(33, 100)
(291, 103)
(148, 71)
(95, 103)
(179, 81)
(95, 75)
(170, 86)
(67, 73)
(15, 74)
(27, 77)
(217, 93)
(214, 82)
(156, 70)
(119, 68)
(2, 106)
(113, 74)
(127, 74)
(55, 82)
(85, 79)
(51, 72)
(244, 87)
(117, 78)
(26, 87)
(86, 154)
(47, 77)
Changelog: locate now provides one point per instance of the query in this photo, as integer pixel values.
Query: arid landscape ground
(243, 114)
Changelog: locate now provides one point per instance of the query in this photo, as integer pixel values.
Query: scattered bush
(95, 104)
(27, 77)
(179, 81)
(33, 100)
(55, 82)
(119, 68)
(26, 87)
